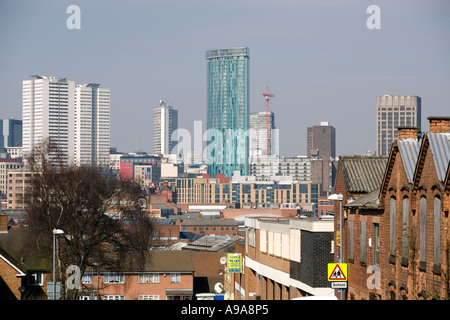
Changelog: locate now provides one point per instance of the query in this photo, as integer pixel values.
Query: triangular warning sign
(337, 274)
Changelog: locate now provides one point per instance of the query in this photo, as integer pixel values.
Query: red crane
(267, 95)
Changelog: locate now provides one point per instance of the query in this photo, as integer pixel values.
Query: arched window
(392, 226)
(437, 231)
(405, 229)
(423, 229)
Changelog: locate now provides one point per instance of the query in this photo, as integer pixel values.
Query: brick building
(358, 180)
(395, 235)
(208, 226)
(286, 258)
(166, 275)
(414, 196)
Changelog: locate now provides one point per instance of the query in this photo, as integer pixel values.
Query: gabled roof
(11, 248)
(409, 150)
(440, 147)
(12, 264)
(362, 174)
(447, 178)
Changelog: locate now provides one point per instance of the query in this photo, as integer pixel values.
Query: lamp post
(55, 233)
(339, 198)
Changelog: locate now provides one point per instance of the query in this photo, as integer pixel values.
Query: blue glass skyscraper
(228, 111)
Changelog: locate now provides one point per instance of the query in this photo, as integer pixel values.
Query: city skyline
(319, 59)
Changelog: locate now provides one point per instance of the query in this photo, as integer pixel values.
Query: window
(148, 277)
(405, 228)
(175, 277)
(351, 251)
(87, 278)
(363, 242)
(114, 278)
(392, 225)
(376, 244)
(35, 279)
(114, 297)
(422, 227)
(251, 237)
(179, 297)
(437, 231)
(148, 297)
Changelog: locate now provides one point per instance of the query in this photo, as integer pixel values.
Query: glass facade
(228, 111)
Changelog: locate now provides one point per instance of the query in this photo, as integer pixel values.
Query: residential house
(165, 275)
(22, 277)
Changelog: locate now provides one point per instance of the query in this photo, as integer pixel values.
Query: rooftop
(363, 174)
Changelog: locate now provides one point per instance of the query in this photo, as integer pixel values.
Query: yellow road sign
(337, 272)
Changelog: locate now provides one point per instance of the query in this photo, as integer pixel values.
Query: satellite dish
(218, 287)
(223, 260)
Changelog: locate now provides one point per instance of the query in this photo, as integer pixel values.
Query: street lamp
(55, 233)
(339, 197)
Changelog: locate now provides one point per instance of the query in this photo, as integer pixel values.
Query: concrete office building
(321, 150)
(321, 141)
(394, 112)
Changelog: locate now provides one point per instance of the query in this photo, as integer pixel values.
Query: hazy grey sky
(317, 57)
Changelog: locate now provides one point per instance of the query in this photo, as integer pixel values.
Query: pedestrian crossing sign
(337, 272)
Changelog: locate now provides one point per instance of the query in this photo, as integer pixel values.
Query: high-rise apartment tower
(47, 113)
(165, 122)
(228, 111)
(92, 125)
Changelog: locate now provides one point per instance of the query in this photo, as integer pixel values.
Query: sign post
(337, 275)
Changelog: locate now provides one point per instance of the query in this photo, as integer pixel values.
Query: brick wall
(9, 283)
(439, 124)
(410, 278)
(315, 256)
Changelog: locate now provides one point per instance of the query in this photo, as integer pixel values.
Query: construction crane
(267, 95)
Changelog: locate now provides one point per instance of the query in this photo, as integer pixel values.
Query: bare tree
(81, 201)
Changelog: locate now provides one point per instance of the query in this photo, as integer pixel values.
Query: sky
(318, 58)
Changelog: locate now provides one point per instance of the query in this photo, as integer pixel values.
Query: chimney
(439, 124)
(407, 132)
(3, 222)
